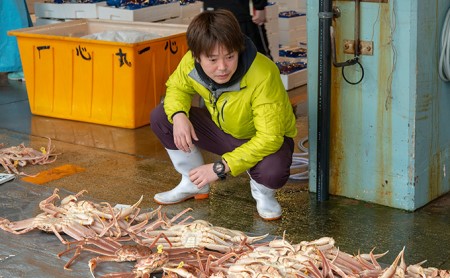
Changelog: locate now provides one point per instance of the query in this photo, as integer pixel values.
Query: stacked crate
(47, 12)
(293, 66)
(292, 59)
(296, 5)
(147, 14)
(187, 12)
(292, 26)
(272, 29)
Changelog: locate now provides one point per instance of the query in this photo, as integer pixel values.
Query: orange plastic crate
(103, 82)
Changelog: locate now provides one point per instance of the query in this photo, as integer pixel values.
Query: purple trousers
(273, 171)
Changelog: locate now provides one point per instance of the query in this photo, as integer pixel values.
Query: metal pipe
(323, 100)
(324, 92)
(357, 4)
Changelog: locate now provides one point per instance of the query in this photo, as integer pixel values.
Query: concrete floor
(119, 165)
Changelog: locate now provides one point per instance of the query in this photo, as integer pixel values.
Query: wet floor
(119, 165)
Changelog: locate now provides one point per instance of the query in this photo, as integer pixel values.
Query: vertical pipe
(323, 103)
(357, 4)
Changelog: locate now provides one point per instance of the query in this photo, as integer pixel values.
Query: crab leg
(8, 166)
(147, 215)
(175, 218)
(390, 271)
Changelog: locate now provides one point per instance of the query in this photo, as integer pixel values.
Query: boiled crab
(201, 234)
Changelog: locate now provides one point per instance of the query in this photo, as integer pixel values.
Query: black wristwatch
(219, 169)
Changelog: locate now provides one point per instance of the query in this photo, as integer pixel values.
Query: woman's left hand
(203, 175)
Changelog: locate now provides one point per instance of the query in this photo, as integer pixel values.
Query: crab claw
(390, 271)
(127, 211)
(72, 198)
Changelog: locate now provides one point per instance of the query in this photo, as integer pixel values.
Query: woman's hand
(203, 175)
(183, 132)
(259, 17)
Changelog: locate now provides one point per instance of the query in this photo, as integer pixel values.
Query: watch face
(219, 167)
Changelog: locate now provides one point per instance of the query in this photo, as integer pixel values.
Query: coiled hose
(444, 61)
(300, 162)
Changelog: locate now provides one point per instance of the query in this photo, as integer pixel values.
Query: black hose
(357, 82)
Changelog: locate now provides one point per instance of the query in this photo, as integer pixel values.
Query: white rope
(300, 161)
(444, 61)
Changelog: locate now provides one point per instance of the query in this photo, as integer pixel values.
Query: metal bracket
(365, 47)
(336, 12)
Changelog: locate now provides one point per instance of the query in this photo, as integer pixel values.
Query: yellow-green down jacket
(259, 109)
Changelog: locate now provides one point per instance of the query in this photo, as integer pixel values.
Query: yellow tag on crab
(180, 265)
(160, 248)
(16, 162)
(43, 150)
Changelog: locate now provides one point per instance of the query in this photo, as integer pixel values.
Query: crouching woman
(247, 118)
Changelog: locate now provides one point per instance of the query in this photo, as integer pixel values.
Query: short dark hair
(211, 28)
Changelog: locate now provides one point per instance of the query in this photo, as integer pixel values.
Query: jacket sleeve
(273, 118)
(259, 4)
(179, 92)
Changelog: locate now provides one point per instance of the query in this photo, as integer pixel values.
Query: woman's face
(220, 65)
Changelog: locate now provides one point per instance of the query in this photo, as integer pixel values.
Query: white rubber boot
(183, 163)
(266, 204)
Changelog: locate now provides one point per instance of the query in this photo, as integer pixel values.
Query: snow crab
(109, 249)
(12, 157)
(80, 219)
(148, 259)
(201, 234)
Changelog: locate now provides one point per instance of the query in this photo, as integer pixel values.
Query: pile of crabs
(179, 246)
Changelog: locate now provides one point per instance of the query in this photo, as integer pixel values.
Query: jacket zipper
(213, 101)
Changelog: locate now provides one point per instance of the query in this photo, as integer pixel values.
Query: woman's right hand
(183, 132)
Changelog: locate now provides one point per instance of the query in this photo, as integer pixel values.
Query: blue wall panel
(389, 142)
